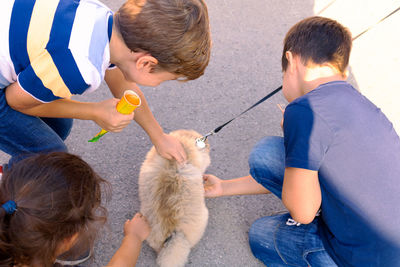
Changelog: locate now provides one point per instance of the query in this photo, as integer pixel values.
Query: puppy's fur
(172, 199)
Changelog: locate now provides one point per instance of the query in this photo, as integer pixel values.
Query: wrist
(133, 238)
(224, 188)
(156, 135)
(90, 111)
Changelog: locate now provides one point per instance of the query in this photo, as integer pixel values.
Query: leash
(200, 142)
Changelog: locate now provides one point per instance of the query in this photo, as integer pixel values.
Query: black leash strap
(216, 130)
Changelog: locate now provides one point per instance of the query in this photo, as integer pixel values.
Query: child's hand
(136, 231)
(169, 147)
(108, 118)
(212, 186)
(138, 227)
(283, 112)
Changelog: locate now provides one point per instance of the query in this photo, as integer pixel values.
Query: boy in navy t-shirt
(339, 155)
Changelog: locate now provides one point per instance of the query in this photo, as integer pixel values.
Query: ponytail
(9, 207)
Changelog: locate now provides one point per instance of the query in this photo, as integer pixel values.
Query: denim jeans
(274, 239)
(21, 134)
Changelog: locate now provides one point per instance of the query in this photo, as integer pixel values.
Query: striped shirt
(54, 48)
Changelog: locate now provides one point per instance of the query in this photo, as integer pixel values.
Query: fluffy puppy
(172, 199)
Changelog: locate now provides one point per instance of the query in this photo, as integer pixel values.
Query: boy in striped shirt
(53, 49)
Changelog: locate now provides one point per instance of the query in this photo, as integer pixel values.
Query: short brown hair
(175, 32)
(58, 195)
(319, 40)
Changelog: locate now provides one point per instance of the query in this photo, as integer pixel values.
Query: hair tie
(10, 207)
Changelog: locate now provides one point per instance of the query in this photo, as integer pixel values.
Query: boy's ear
(146, 63)
(291, 62)
(346, 74)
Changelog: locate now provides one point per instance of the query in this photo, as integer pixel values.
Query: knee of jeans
(258, 162)
(61, 126)
(58, 146)
(65, 129)
(61, 148)
(54, 147)
(261, 237)
(269, 147)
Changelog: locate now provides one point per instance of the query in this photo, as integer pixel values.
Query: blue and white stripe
(57, 48)
(7, 73)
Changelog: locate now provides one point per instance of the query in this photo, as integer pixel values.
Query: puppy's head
(199, 157)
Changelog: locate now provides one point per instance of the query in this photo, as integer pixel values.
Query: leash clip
(201, 141)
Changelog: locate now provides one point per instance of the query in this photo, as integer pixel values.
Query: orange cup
(129, 102)
(126, 105)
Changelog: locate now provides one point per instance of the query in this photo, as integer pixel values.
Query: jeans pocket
(290, 243)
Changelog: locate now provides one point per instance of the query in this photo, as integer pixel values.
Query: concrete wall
(375, 59)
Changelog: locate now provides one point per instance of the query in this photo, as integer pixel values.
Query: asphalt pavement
(244, 67)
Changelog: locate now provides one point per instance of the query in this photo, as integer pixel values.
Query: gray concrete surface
(245, 66)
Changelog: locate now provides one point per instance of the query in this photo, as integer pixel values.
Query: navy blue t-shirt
(339, 133)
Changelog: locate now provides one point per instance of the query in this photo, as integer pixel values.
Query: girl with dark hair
(49, 204)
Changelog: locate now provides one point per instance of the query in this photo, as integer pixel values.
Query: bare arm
(301, 194)
(215, 187)
(135, 231)
(166, 146)
(243, 186)
(143, 115)
(23, 102)
(103, 113)
(128, 253)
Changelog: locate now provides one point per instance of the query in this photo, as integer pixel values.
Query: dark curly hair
(58, 195)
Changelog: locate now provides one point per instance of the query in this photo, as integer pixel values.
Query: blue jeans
(21, 134)
(274, 240)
